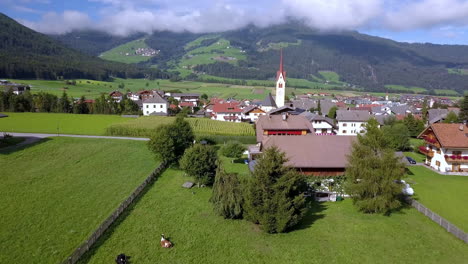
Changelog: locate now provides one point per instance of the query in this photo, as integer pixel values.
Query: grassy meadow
(444, 194)
(119, 53)
(57, 192)
(330, 233)
(406, 88)
(54, 123)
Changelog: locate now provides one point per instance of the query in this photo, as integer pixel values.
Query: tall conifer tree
(373, 171)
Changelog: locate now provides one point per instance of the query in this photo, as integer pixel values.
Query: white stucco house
(446, 147)
(155, 105)
(322, 125)
(351, 122)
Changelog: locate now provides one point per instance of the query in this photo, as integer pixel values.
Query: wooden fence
(439, 220)
(85, 246)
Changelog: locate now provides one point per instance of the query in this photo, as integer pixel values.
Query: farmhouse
(116, 95)
(226, 111)
(313, 155)
(155, 105)
(251, 113)
(351, 122)
(322, 125)
(446, 147)
(284, 124)
(186, 98)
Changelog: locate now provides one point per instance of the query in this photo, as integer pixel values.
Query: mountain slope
(25, 53)
(358, 59)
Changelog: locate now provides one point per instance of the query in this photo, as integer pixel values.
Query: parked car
(411, 160)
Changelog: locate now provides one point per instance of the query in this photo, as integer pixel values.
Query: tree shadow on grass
(112, 228)
(314, 212)
(27, 143)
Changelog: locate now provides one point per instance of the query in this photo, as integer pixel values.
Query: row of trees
(50, 103)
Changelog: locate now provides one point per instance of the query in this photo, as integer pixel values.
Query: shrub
(233, 149)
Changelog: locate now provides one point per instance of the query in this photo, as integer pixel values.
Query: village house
(186, 98)
(310, 154)
(351, 122)
(267, 104)
(322, 125)
(155, 105)
(226, 111)
(283, 124)
(439, 115)
(446, 147)
(251, 113)
(116, 95)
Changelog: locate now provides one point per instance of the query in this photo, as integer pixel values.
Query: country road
(34, 137)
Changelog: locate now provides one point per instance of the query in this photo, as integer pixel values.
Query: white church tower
(280, 84)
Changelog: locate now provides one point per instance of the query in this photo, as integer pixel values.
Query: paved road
(39, 136)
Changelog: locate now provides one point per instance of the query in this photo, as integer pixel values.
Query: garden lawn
(66, 123)
(446, 195)
(58, 191)
(330, 233)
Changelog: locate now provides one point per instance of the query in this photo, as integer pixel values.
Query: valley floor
(330, 233)
(56, 192)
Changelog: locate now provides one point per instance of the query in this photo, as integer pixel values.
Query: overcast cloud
(122, 17)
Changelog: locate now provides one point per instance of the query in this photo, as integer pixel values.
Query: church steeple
(280, 83)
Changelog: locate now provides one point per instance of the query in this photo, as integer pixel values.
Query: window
(280, 85)
(344, 132)
(160, 106)
(456, 153)
(147, 112)
(438, 163)
(344, 124)
(147, 106)
(154, 106)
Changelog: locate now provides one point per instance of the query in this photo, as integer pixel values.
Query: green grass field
(211, 54)
(277, 45)
(198, 41)
(144, 126)
(458, 71)
(66, 123)
(406, 88)
(58, 191)
(444, 194)
(330, 233)
(119, 53)
(446, 92)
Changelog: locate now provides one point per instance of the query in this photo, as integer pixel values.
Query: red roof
(232, 107)
(187, 104)
(340, 104)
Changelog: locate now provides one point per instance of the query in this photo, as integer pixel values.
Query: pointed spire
(281, 60)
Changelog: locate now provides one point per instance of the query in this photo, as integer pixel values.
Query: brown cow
(165, 243)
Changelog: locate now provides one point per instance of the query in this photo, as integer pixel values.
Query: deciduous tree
(199, 161)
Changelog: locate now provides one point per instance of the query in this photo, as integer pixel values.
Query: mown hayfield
(406, 88)
(59, 123)
(446, 92)
(145, 126)
(330, 233)
(446, 195)
(57, 192)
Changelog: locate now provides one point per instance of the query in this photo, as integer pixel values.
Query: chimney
(285, 116)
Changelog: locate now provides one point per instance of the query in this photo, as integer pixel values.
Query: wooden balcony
(430, 154)
(456, 159)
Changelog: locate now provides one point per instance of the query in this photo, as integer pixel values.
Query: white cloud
(122, 17)
(427, 14)
(53, 23)
(334, 14)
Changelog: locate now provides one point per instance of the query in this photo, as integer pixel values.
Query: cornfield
(145, 126)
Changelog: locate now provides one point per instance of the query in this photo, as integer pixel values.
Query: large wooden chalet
(307, 152)
(446, 147)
